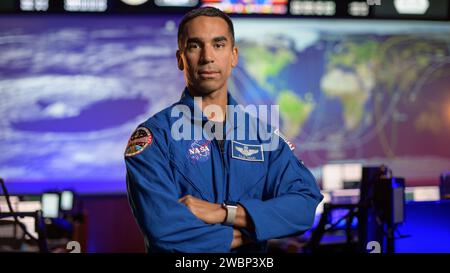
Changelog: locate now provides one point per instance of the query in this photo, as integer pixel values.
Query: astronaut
(216, 192)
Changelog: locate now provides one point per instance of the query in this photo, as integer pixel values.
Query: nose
(207, 55)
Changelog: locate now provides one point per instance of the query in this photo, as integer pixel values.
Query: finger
(182, 199)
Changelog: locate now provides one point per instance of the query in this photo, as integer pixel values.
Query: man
(213, 194)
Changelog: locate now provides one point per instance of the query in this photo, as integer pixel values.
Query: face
(207, 55)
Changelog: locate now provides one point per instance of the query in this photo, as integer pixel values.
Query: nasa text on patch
(247, 151)
(199, 151)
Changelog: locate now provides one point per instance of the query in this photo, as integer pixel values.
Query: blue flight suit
(278, 192)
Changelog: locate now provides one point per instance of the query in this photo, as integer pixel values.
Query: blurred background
(363, 89)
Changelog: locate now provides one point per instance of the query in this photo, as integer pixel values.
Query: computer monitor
(66, 200)
(423, 193)
(50, 205)
(336, 175)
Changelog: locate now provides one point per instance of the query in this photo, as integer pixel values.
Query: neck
(211, 101)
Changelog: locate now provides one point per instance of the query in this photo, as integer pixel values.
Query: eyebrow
(200, 41)
(220, 39)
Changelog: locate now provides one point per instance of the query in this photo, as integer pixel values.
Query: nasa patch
(199, 151)
(139, 140)
(278, 133)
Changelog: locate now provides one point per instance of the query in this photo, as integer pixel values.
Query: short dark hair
(203, 11)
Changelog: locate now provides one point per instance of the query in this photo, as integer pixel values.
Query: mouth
(208, 73)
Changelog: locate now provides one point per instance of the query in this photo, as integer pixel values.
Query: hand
(239, 239)
(209, 213)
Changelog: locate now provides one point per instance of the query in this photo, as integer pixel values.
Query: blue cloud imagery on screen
(73, 89)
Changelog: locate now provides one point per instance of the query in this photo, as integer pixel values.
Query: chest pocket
(191, 178)
(247, 179)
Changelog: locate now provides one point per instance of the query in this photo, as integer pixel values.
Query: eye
(193, 46)
(219, 45)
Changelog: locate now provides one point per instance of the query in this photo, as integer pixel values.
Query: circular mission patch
(139, 140)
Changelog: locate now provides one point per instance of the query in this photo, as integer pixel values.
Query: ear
(180, 60)
(234, 57)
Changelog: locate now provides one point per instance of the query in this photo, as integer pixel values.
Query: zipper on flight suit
(223, 153)
(225, 187)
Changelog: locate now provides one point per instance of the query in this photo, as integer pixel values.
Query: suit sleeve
(168, 225)
(293, 196)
